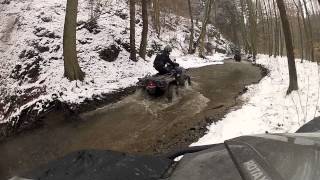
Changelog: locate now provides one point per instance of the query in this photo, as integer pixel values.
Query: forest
(159, 78)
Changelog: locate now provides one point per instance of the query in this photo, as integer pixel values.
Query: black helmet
(168, 49)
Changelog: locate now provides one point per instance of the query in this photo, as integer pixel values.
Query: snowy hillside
(31, 62)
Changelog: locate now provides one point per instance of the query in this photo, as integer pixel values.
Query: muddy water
(137, 124)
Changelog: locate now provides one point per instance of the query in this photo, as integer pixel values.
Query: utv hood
(259, 157)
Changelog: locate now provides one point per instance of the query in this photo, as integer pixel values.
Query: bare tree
(133, 56)
(191, 49)
(281, 40)
(144, 35)
(253, 28)
(156, 16)
(243, 26)
(204, 27)
(71, 66)
(300, 31)
(293, 83)
(310, 31)
(271, 30)
(263, 25)
(276, 31)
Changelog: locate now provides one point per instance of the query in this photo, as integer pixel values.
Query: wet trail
(137, 124)
(138, 120)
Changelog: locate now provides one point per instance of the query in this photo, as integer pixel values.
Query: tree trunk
(276, 30)
(263, 24)
(307, 35)
(281, 40)
(293, 83)
(234, 29)
(191, 49)
(271, 30)
(204, 28)
(310, 31)
(156, 16)
(71, 66)
(132, 30)
(312, 7)
(307, 42)
(268, 26)
(300, 31)
(253, 28)
(301, 37)
(144, 35)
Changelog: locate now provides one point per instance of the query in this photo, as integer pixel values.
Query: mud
(136, 124)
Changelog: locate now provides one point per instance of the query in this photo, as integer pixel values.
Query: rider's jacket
(161, 60)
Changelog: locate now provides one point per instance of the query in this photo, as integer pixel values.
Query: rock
(30, 72)
(54, 58)
(122, 15)
(85, 41)
(150, 53)
(5, 2)
(42, 49)
(219, 50)
(22, 54)
(80, 24)
(110, 54)
(40, 45)
(46, 19)
(43, 32)
(28, 54)
(56, 48)
(92, 26)
(124, 32)
(124, 45)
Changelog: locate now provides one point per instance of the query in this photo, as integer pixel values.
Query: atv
(165, 84)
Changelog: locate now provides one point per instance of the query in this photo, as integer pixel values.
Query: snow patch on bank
(267, 108)
(192, 61)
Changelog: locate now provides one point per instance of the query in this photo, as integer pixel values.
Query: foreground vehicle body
(256, 157)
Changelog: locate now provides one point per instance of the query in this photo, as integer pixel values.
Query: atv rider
(163, 60)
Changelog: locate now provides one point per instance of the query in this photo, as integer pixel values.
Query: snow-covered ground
(267, 108)
(31, 61)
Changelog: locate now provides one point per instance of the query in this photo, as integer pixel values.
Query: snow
(192, 61)
(102, 77)
(267, 108)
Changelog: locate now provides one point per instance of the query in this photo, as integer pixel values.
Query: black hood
(259, 157)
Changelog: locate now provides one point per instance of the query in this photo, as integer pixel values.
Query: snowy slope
(268, 109)
(31, 64)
